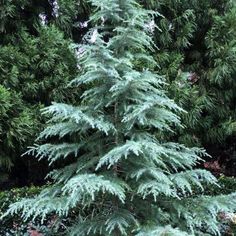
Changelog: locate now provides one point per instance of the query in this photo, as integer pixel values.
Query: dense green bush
(196, 53)
(33, 73)
(13, 225)
(36, 63)
(227, 185)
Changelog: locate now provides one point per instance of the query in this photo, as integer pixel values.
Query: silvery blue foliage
(129, 180)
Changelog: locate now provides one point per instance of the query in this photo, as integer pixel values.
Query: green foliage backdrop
(36, 62)
(197, 55)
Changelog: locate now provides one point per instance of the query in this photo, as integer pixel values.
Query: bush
(14, 225)
(227, 186)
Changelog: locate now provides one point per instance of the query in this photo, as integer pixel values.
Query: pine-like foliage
(220, 80)
(36, 63)
(182, 60)
(16, 123)
(122, 178)
(196, 54)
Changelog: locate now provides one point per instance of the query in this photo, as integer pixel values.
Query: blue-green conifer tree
(121, 177)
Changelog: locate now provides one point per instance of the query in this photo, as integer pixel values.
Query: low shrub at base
(15, 226)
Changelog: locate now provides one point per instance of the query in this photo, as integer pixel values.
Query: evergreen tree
(220, 84)
(36, 63)
(16, 124)
(196, 54)
(122, 177)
